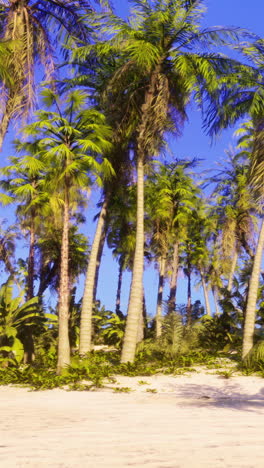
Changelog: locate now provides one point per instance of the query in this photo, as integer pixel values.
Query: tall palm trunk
(232, 271)
(87, 302)
(174, 277)
(189, 297)
(216, 298)
(3, 127)
(31, 260)
(145, 315)
(63, 339)
(27, 339)
(135, 298)
(136, 289)
(162, 265)
(250, 317)
(206, 295)
(98, 263)
(119, 285)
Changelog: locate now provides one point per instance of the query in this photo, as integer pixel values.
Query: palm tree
(255, 138)
(170, 196)
(118, 158)
(250, 315)
(49, 254)
(23, 185)
(8, 237)
(159, 68)
(34, 27)
(72, 141)
(235, 209)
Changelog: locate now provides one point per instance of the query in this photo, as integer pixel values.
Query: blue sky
(194, 143)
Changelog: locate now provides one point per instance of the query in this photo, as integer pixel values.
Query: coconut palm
(35, 27)
(160, 65)
(72, 141)
(235, 209)
(119, 162)
(23, 185)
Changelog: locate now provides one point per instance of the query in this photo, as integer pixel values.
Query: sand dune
(193, 421)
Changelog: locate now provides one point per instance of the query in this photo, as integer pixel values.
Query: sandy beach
(192, 421)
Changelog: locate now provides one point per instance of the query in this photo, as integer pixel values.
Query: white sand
(200, 420)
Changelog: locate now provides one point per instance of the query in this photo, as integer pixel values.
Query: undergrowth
(99, 368)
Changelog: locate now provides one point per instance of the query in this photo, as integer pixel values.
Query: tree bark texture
(27, 339)
(232, 271)
(98, 263)
(3, 128)
(216, 299)
(119, 285)
(174, 277)
(206, 295)
(189, 297)
(162, 266)
(87, 302)
(250, 317)
(63, 339)
(135, 298)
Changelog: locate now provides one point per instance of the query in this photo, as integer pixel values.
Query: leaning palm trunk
(119, 285)
(3, 128)
(98, 263)
(135, 299)
(250, 316)
(232, 271)
(162, 265)
(63, 339)
(206, 296)
(174, 276)
(87, 302)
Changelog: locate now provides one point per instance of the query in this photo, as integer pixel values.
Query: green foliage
(226, 374)
(254, 361)
(108, 327)
(143, 382)
(122, 390)
(219, 333)
(16, 317)
(151, 390)
(92, 370)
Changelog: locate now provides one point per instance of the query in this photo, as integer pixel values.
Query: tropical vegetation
(102, 130)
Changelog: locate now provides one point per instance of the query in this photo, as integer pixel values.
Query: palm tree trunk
(27, 340)
(119, 285)
(162, 265)
(250, 317)
(63, 339)
(87, 302)
(140, 332)
(174, 276)
(189, 297)
(145, 315)
(232, 271)
(3, 127)
(135, 299)
(98, 263)
(31, 261)
(215, 296)
(206, 296)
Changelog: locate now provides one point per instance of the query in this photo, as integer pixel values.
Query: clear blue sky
(193, 144)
